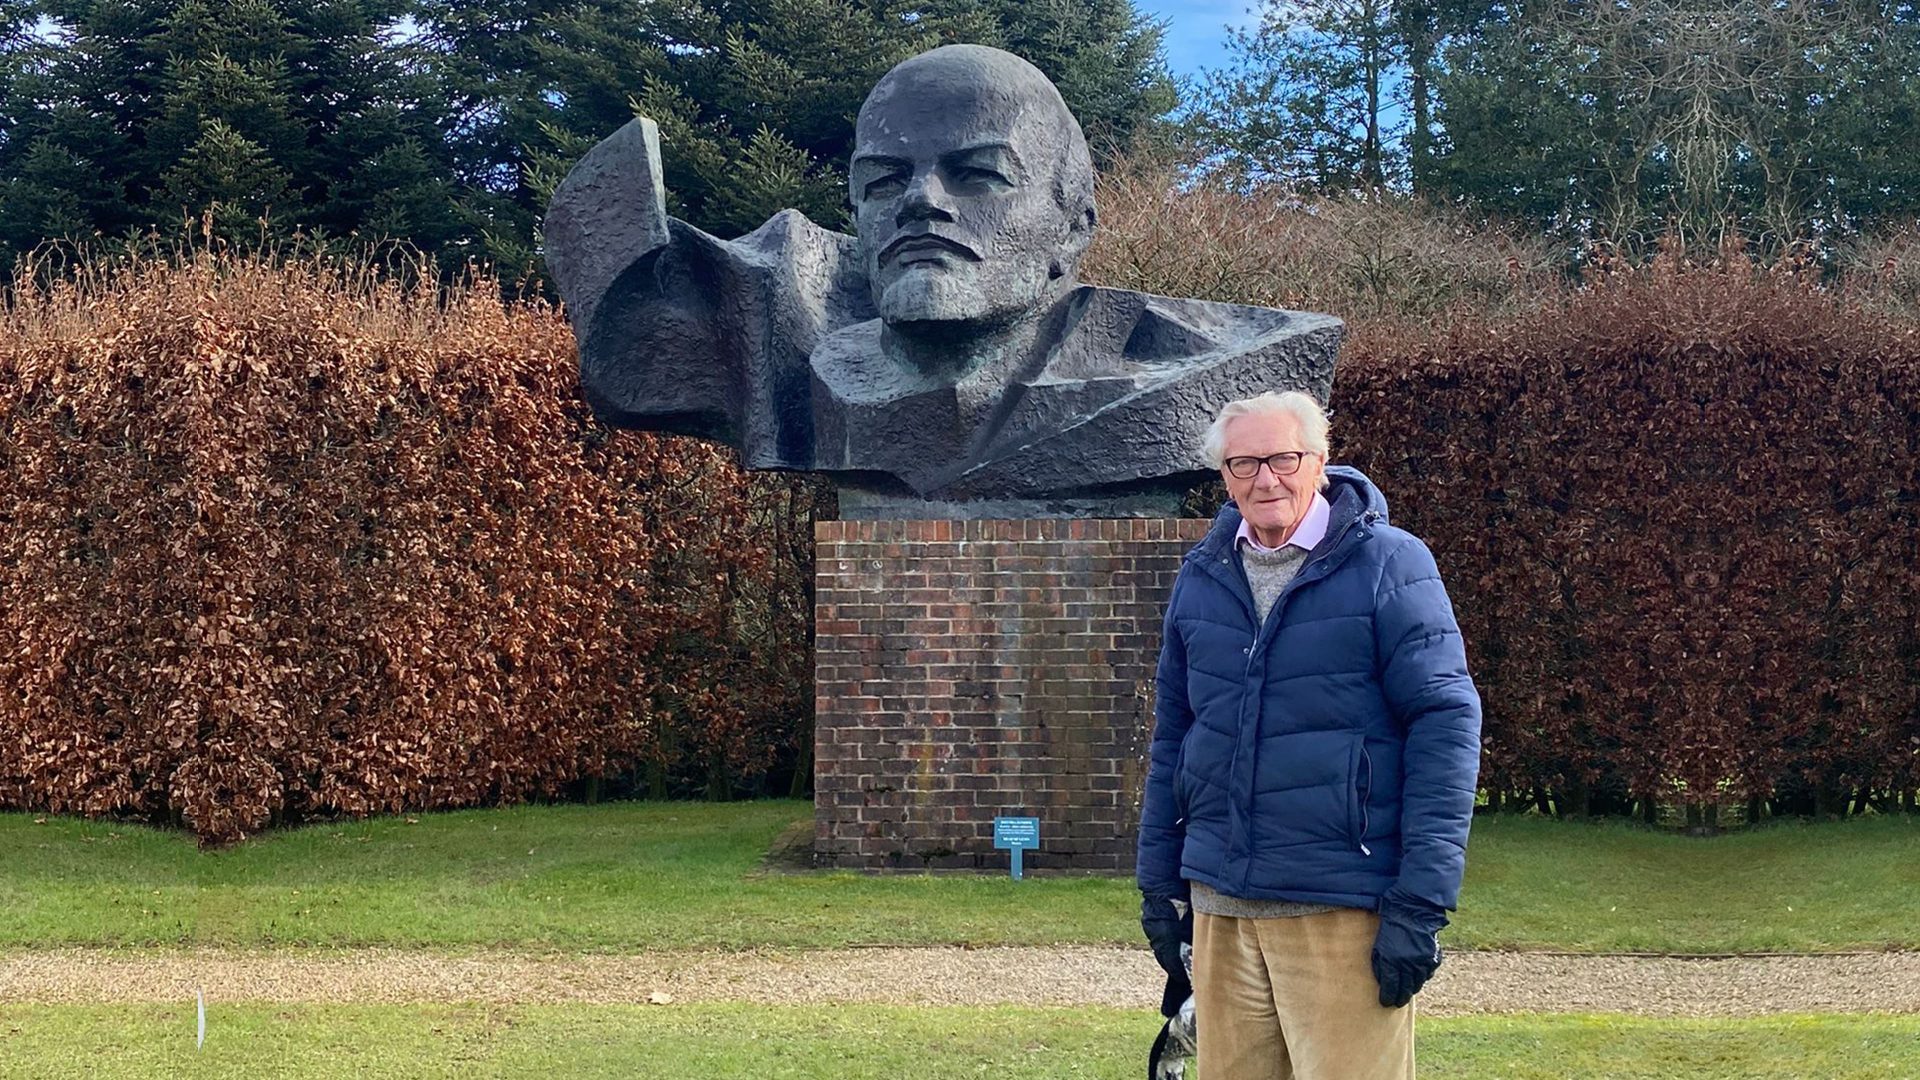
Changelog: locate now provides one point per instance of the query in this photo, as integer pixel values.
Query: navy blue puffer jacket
(1329, 755)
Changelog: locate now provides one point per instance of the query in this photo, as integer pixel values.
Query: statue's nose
(925, 200)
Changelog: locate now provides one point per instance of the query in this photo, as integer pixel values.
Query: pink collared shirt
(1312, 528)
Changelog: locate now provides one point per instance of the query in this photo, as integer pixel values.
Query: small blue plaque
(1016, 834)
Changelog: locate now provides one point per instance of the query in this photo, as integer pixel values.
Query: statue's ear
(1079, 235)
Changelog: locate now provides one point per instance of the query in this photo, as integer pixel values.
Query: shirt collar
(1312, 528)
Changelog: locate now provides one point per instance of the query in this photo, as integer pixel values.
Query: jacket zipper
(1367, 517)
(1279, 602)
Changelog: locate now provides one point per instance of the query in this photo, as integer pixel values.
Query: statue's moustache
(926, 241)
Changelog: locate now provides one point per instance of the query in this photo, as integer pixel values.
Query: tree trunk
(802, 771)
(1829, 802)
(1419, 30)
(1375, 166)
(1577, 800)
(1703, 819)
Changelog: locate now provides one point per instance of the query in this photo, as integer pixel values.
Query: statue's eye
(883, 187)
(970, 174)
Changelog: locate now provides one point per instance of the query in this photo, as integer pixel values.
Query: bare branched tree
(1768, 120)
(1314, 97)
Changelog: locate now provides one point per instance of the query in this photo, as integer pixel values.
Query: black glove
(1406, 952)
(1167, 929)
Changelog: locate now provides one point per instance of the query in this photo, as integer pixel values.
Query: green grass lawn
(875, 1043)
(649, 875)
(1534, 883)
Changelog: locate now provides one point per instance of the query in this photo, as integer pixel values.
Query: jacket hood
(1349, 492)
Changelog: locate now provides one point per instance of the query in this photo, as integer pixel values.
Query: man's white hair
(1304, 410)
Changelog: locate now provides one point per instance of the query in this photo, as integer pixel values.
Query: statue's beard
(962, 293)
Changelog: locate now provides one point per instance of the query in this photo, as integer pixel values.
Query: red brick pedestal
(968, 669)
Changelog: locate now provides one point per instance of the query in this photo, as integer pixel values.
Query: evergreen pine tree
(1106, 57)
(755, 98)
(230, 176)
(54, 193)
(127, 115)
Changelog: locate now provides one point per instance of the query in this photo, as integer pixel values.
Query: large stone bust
(946, 361)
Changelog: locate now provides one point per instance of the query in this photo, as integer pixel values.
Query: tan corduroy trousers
(1294, 999)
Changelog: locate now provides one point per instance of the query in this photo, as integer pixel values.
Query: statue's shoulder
(1150, 339)
(1147, 374)
(1150, 329)
(791, 237)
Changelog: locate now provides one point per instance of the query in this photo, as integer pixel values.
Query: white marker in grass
(200, 1037)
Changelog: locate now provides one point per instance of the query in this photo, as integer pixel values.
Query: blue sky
(1196, 30)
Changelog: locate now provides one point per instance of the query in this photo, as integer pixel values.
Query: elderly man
(947, 352)
(1314, 762)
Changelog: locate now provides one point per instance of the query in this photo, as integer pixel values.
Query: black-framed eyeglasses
(1283, 464)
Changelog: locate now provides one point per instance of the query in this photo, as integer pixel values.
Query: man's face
(953, 199)
(1273, 505)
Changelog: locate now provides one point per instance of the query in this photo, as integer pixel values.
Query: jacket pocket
(1180, 785)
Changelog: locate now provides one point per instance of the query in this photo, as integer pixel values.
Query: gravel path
(1469, 982)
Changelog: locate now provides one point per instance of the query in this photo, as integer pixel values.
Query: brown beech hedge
(276, 542)
(1677, 515)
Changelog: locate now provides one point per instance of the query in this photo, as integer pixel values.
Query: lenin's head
(972, 189)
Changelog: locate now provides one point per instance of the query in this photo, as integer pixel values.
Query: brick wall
(968, 669)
